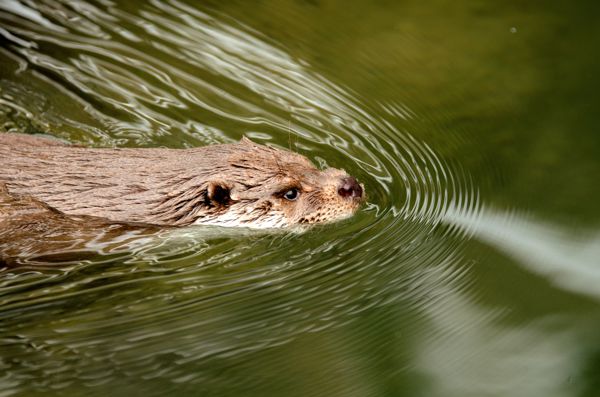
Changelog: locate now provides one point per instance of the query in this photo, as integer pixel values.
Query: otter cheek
(293, 210)
(296, 212)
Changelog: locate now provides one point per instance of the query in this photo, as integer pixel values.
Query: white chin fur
(235, 220)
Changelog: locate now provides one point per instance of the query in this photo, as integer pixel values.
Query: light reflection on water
(402, 297)
(570, 260)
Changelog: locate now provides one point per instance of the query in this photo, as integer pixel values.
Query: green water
(473, 270)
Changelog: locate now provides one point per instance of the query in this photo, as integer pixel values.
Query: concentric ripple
(180, 308)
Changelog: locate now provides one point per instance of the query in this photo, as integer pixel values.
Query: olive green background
(473, 270)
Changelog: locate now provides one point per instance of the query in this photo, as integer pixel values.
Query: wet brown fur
(33, 232)
(171, 187)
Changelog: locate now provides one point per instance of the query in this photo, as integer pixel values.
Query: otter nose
(350, 188)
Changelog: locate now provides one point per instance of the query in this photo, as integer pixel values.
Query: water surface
(472, 270)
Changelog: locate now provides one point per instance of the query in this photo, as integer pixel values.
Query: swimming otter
(33, 232)
(240, 184)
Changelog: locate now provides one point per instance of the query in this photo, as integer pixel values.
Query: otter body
(240, 184)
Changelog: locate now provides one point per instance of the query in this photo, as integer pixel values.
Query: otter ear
(217, 193)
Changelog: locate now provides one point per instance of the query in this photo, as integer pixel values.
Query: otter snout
(350, 188)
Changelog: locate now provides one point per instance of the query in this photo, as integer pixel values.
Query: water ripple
(159, 304)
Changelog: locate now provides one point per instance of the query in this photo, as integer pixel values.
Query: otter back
(240, 184)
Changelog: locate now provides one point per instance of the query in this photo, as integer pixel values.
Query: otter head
(263, 187)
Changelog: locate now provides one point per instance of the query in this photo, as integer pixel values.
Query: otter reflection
(33, 232)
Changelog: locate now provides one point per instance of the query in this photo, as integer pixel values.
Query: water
(472, 270)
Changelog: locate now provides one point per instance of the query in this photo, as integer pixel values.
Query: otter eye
(291, 194)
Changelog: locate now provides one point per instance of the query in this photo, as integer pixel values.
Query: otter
(239, 184)
(33, 232)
